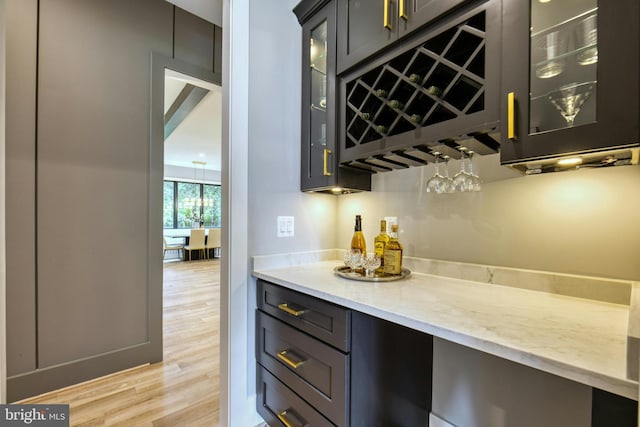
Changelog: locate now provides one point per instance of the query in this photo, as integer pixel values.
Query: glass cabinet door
(564, 61)
(318, 86)
(570, 81)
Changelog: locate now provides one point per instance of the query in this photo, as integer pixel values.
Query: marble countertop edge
(311, 273)
(627, 388)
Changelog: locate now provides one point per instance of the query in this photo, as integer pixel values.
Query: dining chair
(213, 240)
(196, 242)
(171, 247)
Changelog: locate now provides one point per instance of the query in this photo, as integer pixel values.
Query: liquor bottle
(393, 253)
(379, 243)
(357, 241)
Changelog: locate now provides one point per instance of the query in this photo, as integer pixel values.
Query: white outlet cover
(285, 226)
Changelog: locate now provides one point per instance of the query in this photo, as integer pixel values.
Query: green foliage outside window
(194, 202)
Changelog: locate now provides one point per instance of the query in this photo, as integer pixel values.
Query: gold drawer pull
(282, 416)
(325, 170)
(511, 116)
(402, 10)
(295, 313)
(386, 22)
(283, 356)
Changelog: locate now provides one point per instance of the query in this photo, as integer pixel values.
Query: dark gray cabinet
(367, 26)
(437, 91)
(321, 364)
(570, 81)
(319, 153)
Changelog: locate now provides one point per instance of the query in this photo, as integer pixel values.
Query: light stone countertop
(584, 340)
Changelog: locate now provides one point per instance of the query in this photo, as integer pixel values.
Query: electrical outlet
(285, 226)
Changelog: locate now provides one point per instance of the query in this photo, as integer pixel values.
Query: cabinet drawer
(277, 404)
(321, 319)
(315, 371)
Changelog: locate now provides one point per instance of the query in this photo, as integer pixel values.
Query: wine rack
(437, 95)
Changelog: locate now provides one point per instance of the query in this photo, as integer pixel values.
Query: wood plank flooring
(183, 390)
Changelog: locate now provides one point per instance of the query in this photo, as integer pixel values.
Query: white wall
(183, 173)
(211, 10)
(274, 138)
(474, 389)
(263, 175)
(579, 222)
(3, 358)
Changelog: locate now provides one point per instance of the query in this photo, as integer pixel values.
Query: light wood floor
(183, 390)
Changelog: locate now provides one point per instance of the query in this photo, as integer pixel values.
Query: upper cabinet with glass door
(319, 154)
(570, 79)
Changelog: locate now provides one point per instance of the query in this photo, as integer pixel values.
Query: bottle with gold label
(379, 243)
(357, 241)
(393, 253)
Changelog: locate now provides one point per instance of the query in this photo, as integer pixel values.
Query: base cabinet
(321, 364)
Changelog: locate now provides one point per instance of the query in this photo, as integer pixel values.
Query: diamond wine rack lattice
(442, 79)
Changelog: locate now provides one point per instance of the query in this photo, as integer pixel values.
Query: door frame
(160, 63)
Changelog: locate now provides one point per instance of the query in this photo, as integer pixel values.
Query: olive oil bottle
(393, 254)
(379, 243)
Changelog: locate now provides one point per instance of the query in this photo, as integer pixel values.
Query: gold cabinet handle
(285, 307)
(402, 10)
(282, 416)
(386, 15)
(283, 356)
(511, 116)
(325, 170)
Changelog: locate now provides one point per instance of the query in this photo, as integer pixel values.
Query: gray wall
(3, 269)
(78, 185)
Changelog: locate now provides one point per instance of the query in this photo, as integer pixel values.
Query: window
(188, 205)
(212, 211)
(168, 205)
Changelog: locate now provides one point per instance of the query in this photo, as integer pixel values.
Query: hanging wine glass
(475, 184)
(434, 183)
(570, 98)
(462, 180)
(447, 182)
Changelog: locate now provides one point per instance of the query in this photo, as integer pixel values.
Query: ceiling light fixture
(198, 203)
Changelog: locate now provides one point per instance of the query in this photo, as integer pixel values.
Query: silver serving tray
(346, 273)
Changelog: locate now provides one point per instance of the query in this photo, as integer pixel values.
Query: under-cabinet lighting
(336, 190)
(571, 161)
(544, 1)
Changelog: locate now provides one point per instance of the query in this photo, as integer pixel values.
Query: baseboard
(52, 378)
